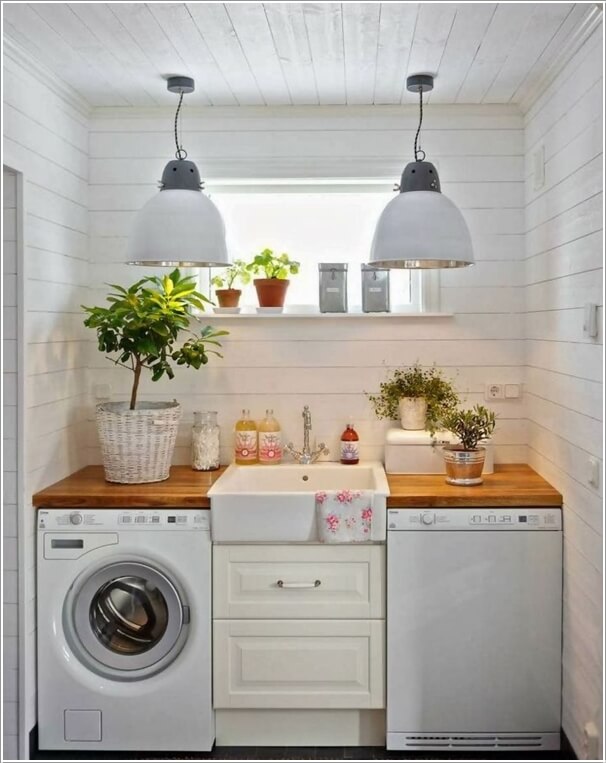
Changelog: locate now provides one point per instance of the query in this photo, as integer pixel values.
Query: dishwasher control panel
(475, 519)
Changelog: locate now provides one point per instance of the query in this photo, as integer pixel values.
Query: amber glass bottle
(246, 440)
(350, 448)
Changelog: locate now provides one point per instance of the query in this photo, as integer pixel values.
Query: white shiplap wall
(330, 363)
(10, 606)
(563, 271)
(46, 140)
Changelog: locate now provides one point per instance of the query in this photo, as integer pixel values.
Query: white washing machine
(474, 629)
(124, 630)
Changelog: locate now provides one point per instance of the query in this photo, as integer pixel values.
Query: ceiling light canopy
(421, 228)
(180, 225)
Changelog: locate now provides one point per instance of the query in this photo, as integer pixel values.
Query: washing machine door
(129, 618)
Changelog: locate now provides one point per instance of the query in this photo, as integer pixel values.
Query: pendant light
(180, 225)
(421, 228)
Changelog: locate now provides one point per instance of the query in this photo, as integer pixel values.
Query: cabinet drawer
(289, 582)
(298, 663)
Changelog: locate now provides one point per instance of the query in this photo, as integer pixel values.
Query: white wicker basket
(137, 446)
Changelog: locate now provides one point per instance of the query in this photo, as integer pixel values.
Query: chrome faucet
(306, 456)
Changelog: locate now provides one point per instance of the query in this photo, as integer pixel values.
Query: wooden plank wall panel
(46, 139)
(563, 390)
(285, 365)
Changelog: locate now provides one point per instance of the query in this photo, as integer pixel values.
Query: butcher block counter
(510, 485)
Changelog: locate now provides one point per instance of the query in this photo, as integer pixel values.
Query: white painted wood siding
(46, 139)
(563, 390)
(329, 364)
(10, 605)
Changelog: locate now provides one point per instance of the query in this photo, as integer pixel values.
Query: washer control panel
(123, 519)
(475, 519)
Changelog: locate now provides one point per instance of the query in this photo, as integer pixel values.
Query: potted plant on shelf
(465, 461)
(271, 290)
(224, 282)
(141, 326)
(419, 397)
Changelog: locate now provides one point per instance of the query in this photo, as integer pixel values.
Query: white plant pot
(413, 412)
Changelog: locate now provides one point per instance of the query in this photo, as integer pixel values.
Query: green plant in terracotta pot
(271, 290)
(419, 397)
(140, 329)
(227, 295)
(465, 461)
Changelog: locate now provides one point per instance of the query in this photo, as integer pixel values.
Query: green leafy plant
(272, 265)
(415, 381)
(237, 271)
(471, 425)
(144, 321)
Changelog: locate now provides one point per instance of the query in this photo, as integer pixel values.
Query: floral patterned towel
(344, 516)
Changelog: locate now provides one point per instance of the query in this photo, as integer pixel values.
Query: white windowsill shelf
(246, 315)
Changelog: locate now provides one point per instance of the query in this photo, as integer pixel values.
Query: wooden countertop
(510, 485)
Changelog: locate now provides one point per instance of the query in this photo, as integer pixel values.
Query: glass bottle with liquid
(246, 440)
(270, 439)
(350, 446)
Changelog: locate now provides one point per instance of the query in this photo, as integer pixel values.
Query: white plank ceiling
(115, 54)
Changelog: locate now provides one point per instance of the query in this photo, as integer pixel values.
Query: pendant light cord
(180, 153)
(418, 149)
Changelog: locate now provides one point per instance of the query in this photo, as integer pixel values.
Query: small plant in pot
(224, 282)
(271, 290)
(140, 329)
(464, 462)
(419, 397)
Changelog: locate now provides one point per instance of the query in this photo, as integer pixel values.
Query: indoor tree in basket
(140, 328)
(224, 283)
(465, 461)
(419, 397)
(271, 290)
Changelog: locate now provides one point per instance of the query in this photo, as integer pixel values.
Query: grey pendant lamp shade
(180, 225)
(420, 227)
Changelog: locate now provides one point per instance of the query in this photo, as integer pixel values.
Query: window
(313, 221)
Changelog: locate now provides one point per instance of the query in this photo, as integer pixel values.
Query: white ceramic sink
(277, 503)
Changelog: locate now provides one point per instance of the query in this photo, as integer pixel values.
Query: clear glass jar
(205, 441)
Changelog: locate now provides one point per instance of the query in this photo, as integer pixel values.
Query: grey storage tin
(333, 287)
(375, 289)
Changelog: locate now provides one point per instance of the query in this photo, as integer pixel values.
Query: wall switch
(102, 391)
(512, 391)
(590, 320)
(494, 392)
(591, 741)
(538, 168)
(593, 475)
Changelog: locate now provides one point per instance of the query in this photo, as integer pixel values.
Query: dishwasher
(474, 629)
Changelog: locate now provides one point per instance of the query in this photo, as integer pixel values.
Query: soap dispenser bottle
(246, 440)
(350, 447)
(270, 439)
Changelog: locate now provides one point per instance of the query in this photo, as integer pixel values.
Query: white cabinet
(299, 663)
(299, 626)
(299, 582)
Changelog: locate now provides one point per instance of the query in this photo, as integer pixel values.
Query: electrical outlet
(591, 741)
(512, 391)
(494, 392)
(593, 472)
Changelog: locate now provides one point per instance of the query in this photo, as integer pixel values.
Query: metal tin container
(333, 287)
(375, 289)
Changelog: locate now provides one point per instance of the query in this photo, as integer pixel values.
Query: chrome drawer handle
(282, 584)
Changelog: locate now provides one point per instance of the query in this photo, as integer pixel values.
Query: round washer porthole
(125, 620)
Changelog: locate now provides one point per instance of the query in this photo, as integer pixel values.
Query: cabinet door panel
(299, 582)
(298, 664)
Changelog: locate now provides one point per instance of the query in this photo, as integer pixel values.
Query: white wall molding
(13, 50)
(576, 40)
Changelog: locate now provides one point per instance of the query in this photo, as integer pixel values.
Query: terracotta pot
(413, 411)
(228, 297)
(463, 467)
(271, 292)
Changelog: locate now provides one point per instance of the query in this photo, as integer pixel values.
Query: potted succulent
(465, 461)
(140, 328)
(271, 290)
(224, 282)
(419, 397)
